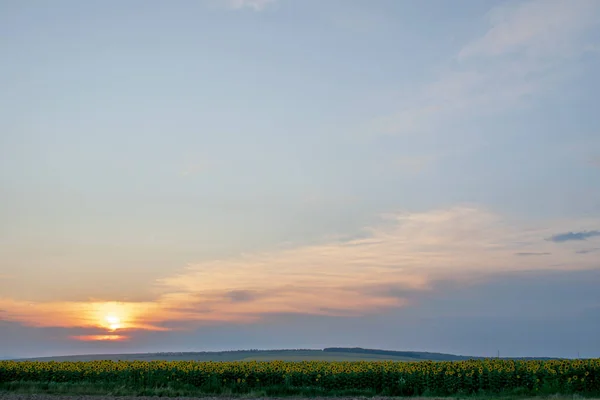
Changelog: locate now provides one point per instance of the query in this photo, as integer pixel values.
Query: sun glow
(113, 322)
(100, 338)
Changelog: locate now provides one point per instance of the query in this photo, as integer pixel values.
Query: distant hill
(421, 355)
(405, 354)
(327, 354)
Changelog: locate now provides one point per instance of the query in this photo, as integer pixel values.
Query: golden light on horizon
(100, 338)
(384, 270)
(113, 321)
(113, 316)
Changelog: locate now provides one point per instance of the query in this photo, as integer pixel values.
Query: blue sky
(211, 173)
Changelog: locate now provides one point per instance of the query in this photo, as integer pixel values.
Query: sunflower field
(381, 377)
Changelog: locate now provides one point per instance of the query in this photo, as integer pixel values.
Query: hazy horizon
(201, 175)
(246, 351)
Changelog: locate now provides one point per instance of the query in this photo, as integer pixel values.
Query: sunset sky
(194, 175)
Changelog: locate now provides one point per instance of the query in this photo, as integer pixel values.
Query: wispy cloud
(256, 5)
(407, 251)
(536, 28)
(67, 314)
(569, 236)
(527, 49)
(528, 254)
(587, 251)
(405, 255)
(242, 296)
(100, 338)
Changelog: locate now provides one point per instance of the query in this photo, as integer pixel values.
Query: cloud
(565, 237)
(587, 251)
(93, 314)
(405, 254)
(386, 266)
(521, 313)
(100, 338)
(241, 296)
(527, 49)
(538, 28)
(527, 254)
(256, 5)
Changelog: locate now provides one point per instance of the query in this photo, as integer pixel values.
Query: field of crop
(276, 378)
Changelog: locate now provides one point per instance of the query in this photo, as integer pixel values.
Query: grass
(212, 390)
(107, 389)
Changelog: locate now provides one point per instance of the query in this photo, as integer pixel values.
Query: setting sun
(113, 321)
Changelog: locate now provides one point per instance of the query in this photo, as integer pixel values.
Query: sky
(197, 175)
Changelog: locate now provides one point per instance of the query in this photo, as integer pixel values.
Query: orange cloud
(83, 314)
(100, 338)
(406, 252)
